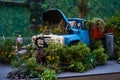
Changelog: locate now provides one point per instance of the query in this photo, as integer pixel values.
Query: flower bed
(54, 59)
(6, 51)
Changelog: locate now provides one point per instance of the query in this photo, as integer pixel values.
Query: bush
(76, 58)
(101, 57)
(49, 74)
(6, 49)
(114, 21)
(77, 67)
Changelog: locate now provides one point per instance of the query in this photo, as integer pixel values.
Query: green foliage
(102, 8)
(32, 68)
(75, 58)
(118, 47)
(14, 19)
(31, 62)
(77, 66)
(27, 65)
(98, 52)
(14, 0)
(100, 23)
(79, 52)
(5, 50)
(49, 74)
(32, 49)
(56, 50)
(16, 63)
(82, 53)
(114, 21)
(51, 57)
(101, 57)
(19, 60)
(96, 8)
(6, 45)
(90, 61)
(69, 7)
(59, 28)
(59, 58)
(95, 44)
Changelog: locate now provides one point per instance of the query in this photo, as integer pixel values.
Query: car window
(72, 23)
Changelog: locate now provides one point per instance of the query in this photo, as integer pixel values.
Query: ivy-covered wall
(13, 0)
(14, 20)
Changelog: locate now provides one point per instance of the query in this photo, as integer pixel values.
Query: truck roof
(80, 19)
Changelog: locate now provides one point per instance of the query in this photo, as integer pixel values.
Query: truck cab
(70, 30)
(79, 28)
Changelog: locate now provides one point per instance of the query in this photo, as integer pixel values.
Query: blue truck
(74, 29)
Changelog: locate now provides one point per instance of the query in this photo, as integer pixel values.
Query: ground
(109, 67)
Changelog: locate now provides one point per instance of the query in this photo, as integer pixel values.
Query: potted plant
(97, 29)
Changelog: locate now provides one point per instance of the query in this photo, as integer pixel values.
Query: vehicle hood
(54, 17)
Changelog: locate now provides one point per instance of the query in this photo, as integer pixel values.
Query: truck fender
(74, 42)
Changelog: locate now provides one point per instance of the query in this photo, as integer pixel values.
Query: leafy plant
(15, 63)
(98, 52)
(58, 28)
(90, 61)
(30, 63)
(95, 44)
(60, 58)
(31, 49)
(101, 57)
(118, 51)
(114, 21)
(49, 74)
(119, 60)
(77, 66)
(16, 23)
(79, 52)
(6, 50)
(28, 67)
(100, 23)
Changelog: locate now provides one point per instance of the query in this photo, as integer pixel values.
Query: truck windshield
(77, 24)
(73, 23)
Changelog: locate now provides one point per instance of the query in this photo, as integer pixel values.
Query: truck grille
(48, 40)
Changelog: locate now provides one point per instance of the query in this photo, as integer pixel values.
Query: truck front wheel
(74, 43)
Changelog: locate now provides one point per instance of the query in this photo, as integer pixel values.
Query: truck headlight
(60, 40)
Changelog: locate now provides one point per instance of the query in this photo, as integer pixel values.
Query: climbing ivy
(14, 20)
(96, 8)
(13, 0)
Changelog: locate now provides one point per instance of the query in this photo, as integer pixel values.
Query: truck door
(84, 33)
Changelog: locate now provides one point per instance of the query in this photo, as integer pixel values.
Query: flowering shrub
(52, 59)
(56, 58)
(6, 51)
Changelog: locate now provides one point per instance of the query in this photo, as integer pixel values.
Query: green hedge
(14, 20)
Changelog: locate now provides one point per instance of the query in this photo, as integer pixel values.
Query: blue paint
(77, 32)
